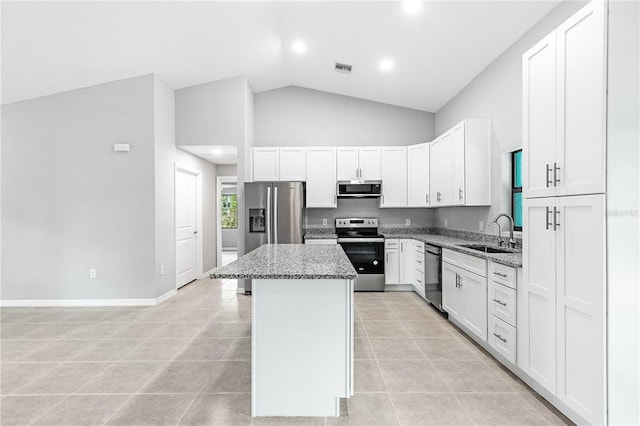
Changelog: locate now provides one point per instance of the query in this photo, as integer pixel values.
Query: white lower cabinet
(391, 262)
(561, 308)
(502, 338)
(464, 294)
(407, 262)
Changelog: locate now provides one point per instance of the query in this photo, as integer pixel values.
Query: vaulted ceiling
(50, 47)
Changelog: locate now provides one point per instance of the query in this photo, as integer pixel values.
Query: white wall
(164, 167)
(623, 255)
(229, 239)
(209, 203)
(295, 116)
(496, 93)
(70, 203)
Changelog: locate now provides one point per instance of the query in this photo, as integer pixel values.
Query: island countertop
(290, 261)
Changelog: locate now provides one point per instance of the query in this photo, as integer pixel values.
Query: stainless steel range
(365, 249)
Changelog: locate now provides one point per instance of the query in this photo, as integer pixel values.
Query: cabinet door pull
(500, 337)
(426, 198)
(500, 274)
(460, 283)
(556, 217)
(549, 181)
(500, 302)
(556, 179)
(548, 222)
(459, 193)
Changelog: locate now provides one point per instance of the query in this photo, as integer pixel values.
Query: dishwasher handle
(428, 248)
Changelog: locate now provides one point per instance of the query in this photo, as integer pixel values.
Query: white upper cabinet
(369, 162)
(564, 108)
(321, 177)
(292, 164)
(394, 176)
(418, 175)
(358, 163)
(460, 165)
(279, 164)
(266, 164)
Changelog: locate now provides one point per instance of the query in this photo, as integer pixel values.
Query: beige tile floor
(187, 361)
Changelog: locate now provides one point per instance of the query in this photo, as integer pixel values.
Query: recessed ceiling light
(299, 47)
(412, 6)
(216, 152)
(386, 65)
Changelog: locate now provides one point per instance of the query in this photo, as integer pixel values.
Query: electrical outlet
(161, 269)
(407, 222)
(446, 223)
(324, 222)
(481, 226)
(92, 273)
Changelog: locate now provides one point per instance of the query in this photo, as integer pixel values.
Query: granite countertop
(290, 261)
(320, 234)
(513, 259)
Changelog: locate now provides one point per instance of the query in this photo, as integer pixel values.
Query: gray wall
(227, 169)
(623, 237)
(496, 93)
(70, 203)
(229, 239)
(211, 113)
(209, 203)
(294, 116)
(164, 168)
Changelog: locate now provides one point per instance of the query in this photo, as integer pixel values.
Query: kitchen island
(302, 327)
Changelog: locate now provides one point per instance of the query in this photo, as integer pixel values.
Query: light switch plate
(481, 226)
(324, 222)
(407, 222)
(446, 223)
(92, 273)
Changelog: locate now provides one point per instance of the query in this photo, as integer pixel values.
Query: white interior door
(186, 228)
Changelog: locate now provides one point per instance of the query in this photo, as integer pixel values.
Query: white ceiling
(49, 47)
(217, 154)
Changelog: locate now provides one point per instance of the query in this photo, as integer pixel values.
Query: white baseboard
(230, 249)
(205, 275)
(399, 287)
(166, 296)
(86, 302)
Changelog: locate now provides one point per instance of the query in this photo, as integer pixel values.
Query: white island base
(302, 346)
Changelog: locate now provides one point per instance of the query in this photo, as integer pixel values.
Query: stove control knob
(375, 262)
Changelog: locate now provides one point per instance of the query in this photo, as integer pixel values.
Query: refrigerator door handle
(275, 215)
(268, 215)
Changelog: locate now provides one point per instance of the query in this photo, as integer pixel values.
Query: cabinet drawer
(502, 302)
(503, 274)
(502, 338)
(420, 262)
(419, 245)
(473, 264)
(393, 243)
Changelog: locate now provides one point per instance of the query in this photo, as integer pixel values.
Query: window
(516, 189)
(229, 211)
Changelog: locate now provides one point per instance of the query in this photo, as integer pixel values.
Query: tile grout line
(210, 375)
(443, 381)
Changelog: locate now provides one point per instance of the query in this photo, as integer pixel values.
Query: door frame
(219, 181)
(199, 235)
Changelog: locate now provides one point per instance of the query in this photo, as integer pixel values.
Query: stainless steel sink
(487, 249)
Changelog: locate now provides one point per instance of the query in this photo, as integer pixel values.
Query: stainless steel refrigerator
(275, 215)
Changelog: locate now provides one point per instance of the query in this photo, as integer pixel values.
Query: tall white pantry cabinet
(562, 302)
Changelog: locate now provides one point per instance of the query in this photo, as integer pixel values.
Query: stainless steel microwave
(359, 189)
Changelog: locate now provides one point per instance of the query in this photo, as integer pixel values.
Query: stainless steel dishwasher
(433, 275)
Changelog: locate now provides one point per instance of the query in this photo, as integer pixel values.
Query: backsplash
(396, 218)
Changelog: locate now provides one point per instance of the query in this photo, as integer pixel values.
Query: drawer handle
(419, 261)
(500, 274)
(500, 337)
(500, 302)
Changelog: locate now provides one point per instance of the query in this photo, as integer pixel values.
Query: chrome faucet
(512, 241)
(500, 242)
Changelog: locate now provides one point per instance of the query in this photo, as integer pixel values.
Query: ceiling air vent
(345, 68)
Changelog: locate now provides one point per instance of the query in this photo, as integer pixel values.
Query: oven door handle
(360, 240)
